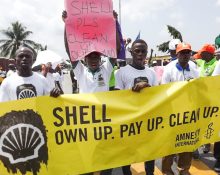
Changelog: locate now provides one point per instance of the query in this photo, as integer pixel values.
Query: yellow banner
(75, 134)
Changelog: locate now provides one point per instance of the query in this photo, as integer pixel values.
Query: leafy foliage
(217, 42)
(175, 34)
(16, 36)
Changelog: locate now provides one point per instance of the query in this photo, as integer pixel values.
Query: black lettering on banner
(131, 129)
(71, 115)
(184, 118)
(214, 110)
(59, 137)
(61, 120)
(102, 132)
(210, 111)
(172, 120)
(72, 135)
(207, 111)
(153, 124)
(104, 116)
(83, 114)
(94, 120)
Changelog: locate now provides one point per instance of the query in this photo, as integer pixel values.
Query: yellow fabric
(184, 115)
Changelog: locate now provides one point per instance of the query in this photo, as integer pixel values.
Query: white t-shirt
(16, 87)
(217, 69)
(9, 73)
(52, 78)
(172, 73)
(97, 82)
(127, 76)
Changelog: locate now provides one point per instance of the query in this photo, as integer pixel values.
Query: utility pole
(120, 12)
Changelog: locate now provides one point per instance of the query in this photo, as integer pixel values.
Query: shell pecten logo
(21, 143)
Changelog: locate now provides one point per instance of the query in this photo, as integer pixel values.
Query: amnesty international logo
(209, 131)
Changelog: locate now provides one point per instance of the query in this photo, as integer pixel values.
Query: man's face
(173, 53)
(24, 59)
(139, 53)
(206, 56)
(184, 57)
(93, 61)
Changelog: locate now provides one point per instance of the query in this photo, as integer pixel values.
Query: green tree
(217, 42)
(175, 34)
(16, 35)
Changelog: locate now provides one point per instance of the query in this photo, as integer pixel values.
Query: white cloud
(176, 16)
(218, 19)
(218, 2)
(138, 10)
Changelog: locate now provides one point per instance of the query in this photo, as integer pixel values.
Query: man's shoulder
(38, 76)
(12, 77)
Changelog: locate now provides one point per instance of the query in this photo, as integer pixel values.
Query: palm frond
(174, 33)
(164, 47)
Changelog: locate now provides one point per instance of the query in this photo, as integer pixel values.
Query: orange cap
(208, 48)
(183, 46)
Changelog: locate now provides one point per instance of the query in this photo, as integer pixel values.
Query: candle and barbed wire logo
(209, 131)
(23, 142)
(26, 91)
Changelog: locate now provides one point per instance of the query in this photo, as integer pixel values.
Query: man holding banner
(137, 76)
(179, 70)
(91, 34)
(25, 83)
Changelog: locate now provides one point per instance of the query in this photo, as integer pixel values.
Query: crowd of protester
(97, 73)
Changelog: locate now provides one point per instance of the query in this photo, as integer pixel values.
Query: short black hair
(139, 41)
(21, 48)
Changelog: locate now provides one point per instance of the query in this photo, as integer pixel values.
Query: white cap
(173, 43)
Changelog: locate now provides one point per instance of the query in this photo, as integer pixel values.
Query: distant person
(217, 55)
(208, 61)
(136, 76)
(128, 51)
(179, 70)
(158, 70)
(172, 48)
(25, 83)
(52, 76)
(11, 70)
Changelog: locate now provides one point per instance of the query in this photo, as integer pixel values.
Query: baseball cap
(173, 43)
(183, 46)
(208, 48)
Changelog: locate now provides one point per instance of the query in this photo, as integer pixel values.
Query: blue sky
(197, 20)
